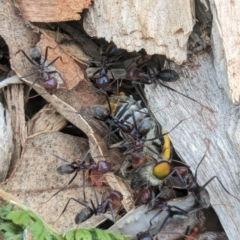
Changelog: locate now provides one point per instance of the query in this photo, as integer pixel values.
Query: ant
(94, 170)
(190, 183)
(112, 200)
(138, 76)
(150, 141)
(120, 119)
(49, 83)
(103, 82)
(172, 211)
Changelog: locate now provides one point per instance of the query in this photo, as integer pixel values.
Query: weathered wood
(52, 11)
(157, 26)
(226, 51)
(46, 120)
(15, 102)
(220, 126)
(6, 139)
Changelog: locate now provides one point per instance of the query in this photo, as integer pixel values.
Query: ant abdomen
(100, 112)
(50, 85)
(66, 169)
(168, 75)
(83, 215)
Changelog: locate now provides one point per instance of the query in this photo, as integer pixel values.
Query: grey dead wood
(6, 139)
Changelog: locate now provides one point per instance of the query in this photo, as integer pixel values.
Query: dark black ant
(113, 200)
(95, 171)
(162, 205)
(190, 183)
(138, 76)
(103, 82)
(49, 83)
(120, 119)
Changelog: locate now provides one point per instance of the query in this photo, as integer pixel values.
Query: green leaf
(99, 234)
(83, 234)
(5, 210)
(11, 231)
(10, 227)
(118, 236)
(19, 217)
(94, 234)
(11, 236)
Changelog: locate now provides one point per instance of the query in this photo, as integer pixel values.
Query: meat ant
(94, 170)
(112, 200)
(103, 82)
(138, 76)
(200, 193)
(49, 83)
(162, 205)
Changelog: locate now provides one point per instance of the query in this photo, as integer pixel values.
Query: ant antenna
(204, 155)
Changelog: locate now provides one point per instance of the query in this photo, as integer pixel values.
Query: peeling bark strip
(52, 11)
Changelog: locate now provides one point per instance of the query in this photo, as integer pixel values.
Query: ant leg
(204, 155)
(28, 75)
(60, 190)
(96, 72)
(140, 92)
(59, 157)
(221, 185)
(180, 209)
(78, 201)
(164, 221)
(96, 197)
(111, 209)
(211, 110)
(53, 61)
(83, 177)
(181, 122)
(30, 88)
(93, 206)
(28, 58)
(155, 216)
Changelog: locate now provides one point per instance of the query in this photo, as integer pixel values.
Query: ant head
(145, 126)
(146, 196)
(100, 112)
(138, 159)
(162, 169)
(35, 53)
(104, 167)
(138, 181)
(144, 236)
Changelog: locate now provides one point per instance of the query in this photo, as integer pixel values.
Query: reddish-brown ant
(103, 81)
(49, 83)
(94, 170)
(112, 200)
